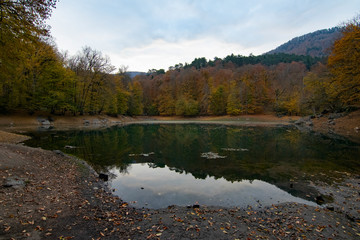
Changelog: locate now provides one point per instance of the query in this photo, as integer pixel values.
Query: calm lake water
(157, 165)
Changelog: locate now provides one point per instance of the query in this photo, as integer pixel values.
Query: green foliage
(185, 107)
(180, 107)
(92, 70)
(135, 99)
(192, 108)
(166, 106)
(272, 59)
(287, 104)
(122, 98)
(155, 71)
(233, 101)
(50, 83)
(317, 89)
(218, 101)
(265, 59)
(152, 110)
(165, 101)
(22, 24)
(198, 63)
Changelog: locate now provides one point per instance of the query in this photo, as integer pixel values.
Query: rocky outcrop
(305, 123)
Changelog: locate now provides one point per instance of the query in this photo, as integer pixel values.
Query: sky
(157, 34)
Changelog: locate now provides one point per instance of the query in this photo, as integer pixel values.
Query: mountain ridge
(315, 44)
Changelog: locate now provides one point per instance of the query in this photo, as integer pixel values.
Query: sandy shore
(49, 195)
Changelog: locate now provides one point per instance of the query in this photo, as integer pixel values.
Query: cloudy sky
(147, 34)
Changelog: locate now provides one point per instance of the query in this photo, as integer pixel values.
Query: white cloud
(159, 33)
(161, 54)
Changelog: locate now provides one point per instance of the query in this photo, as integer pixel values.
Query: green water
(156, 165)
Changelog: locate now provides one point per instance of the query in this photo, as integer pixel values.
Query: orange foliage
(344, 64)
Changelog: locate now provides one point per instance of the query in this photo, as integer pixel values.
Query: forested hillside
(233, 85)
(34, 77)
(315, 44)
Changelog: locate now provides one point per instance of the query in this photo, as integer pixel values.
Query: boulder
(104, 177)
(43, 121)
(300, 122)
(331, 208)
(319, 200)
(96, 122)
(331, 122)
(193, 206)
(14, 182)
(309, 123)
(304, 121)
(58, 152)
(335, 115)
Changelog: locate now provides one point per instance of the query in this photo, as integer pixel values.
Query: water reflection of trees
(275, 154)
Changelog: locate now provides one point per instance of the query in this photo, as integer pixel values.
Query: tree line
(34, 77)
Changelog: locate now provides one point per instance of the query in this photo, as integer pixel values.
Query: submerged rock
(211, 155)
(69, 147)
(141, 154)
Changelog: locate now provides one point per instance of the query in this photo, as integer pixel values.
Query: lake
(158, 165)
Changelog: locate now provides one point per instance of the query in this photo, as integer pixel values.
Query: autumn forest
(35, 76)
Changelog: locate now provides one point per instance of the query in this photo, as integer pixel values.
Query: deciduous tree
(344, 64)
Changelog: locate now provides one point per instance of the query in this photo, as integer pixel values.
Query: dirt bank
(347, 125)
(48, 195)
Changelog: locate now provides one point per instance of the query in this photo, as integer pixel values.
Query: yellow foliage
(344, 64)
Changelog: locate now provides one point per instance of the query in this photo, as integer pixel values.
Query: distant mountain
(134, 74)
(315, 44)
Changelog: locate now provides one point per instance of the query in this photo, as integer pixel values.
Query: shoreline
(92, 210)
(333, 125)
(26, 121)
(87, 209)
